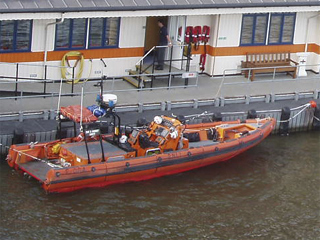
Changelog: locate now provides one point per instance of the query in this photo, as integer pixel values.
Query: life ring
(66, 64)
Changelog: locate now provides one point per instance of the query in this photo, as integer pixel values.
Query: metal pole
(154, 59)
(81, 106)
(140, 71)
(72, 87)
(169, 82)
(45, 82)
(17, 78)
(188, 64)
(170, 61)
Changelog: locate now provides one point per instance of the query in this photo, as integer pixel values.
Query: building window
(254, 29)
(72, 33)
(281, 28)
(15, 36)
(103, 32)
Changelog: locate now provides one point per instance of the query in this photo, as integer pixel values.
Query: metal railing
(26, 72)
(184, 57)
(248, 85)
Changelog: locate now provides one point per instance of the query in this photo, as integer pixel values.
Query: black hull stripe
(170, 162)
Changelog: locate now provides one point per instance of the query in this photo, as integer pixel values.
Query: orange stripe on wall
(138, 52)
(22, 57)
(101, 53)
(314, 48)
(236, 51)
(57, 55)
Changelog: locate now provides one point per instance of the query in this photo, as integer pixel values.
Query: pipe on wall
(46, 41)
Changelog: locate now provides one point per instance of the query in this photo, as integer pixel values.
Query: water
(270, 192)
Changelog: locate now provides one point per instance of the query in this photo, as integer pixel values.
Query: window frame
(87, 36)
(70, 37)
(266, 15)
(267, 29)
(15, 28)
(283, 15)
(103, 46)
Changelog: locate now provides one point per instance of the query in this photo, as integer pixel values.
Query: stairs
(135, 78)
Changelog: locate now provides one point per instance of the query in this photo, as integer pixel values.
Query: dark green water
(270, 192)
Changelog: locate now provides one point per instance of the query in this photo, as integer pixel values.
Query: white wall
(132, 32)
(301, 28)
(310, 34)
(38, 33)
(229, 30)
(228, 35)
(227, 64)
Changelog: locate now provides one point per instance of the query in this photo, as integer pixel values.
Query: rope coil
(66, 64)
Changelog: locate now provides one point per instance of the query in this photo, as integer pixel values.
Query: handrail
(144, 56)
(222, 83)
(137, 63)
(32, 64)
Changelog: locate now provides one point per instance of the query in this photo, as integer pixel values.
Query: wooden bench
(282, 61)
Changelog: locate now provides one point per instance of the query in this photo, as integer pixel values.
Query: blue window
(15, 36)
(282, 28)
(71, 34)
(254, 29)
(104, 32)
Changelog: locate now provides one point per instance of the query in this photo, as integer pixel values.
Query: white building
(121, 31)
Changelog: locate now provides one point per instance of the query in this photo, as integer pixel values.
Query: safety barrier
(269, 81)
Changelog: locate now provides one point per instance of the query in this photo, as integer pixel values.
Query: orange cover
(74, 113)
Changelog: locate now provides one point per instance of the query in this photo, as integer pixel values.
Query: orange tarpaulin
(74, 113)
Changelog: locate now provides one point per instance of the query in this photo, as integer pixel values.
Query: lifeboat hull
(66, 179)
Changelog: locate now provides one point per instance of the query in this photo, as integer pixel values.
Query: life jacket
(205, 33)
(197, 36)
(188, 35)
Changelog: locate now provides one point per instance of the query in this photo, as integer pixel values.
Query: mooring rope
(316, 118)
(302, 107)
(288, 120)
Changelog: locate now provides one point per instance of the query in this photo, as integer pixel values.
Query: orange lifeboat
(164, 147)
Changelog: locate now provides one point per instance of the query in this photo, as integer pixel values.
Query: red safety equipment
(202, 63)
(188, 35)
(205, 33)
(197, 36)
